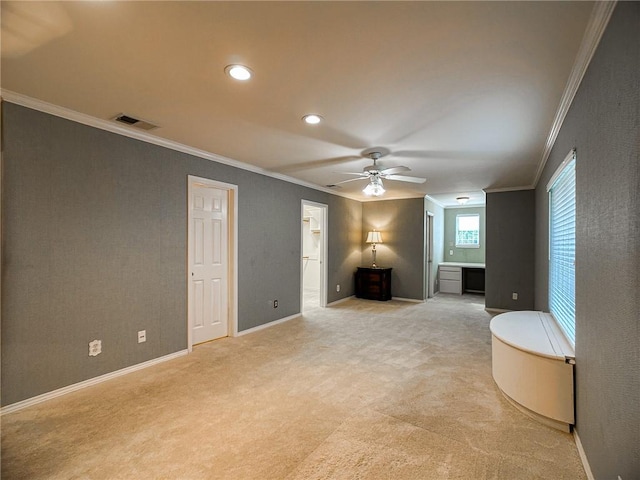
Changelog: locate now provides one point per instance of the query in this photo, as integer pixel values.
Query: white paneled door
(208, 257)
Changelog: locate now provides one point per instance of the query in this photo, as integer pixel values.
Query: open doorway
(314, 251)
(429, 275)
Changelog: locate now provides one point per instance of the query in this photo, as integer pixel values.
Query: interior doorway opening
(314, 251)
(429, 275)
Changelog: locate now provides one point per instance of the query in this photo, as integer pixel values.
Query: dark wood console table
(373, 283)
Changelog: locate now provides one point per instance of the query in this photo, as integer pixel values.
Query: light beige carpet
(361, 390)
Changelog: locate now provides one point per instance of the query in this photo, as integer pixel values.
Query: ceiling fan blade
(414, 153)
(361, 174)
(403, 178)
(394, 170)
(313, 164)
(438, 154)
(344, 181)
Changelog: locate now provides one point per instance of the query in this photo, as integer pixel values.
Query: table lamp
(373, 238)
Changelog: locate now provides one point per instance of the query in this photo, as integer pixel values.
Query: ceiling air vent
(134, 122)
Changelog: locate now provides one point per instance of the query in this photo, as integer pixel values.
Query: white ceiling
(462, 93)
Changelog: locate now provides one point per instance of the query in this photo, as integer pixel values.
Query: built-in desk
(457, 277)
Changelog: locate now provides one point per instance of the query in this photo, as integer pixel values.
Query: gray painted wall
(510, 250)
(438, 238)
(603, 124)
(345, 246)
(471, 255)
(402, 227)
(94, 247)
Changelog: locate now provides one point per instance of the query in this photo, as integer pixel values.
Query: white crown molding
(457, 205)
(384, 198)
(433, 200)
(466, 205)
(598, 21)
(111, 126)
(509, 189)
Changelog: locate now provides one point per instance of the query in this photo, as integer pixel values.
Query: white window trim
(571, 156)
(467, 245)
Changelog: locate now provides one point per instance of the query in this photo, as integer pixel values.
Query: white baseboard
(583, 456)
(400, 299)
(496, 310)
(340, 301)
(267, 325)
(14, 407)
(412, 300)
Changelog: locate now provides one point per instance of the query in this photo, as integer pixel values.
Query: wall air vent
(134, 122)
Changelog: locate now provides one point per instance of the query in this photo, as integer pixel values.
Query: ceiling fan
(375, 175)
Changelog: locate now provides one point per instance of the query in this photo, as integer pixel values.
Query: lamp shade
(374, 237)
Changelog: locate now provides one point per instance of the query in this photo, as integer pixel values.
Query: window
(468, 231)
(562, 246)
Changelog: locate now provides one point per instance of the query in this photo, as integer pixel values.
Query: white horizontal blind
(562, 247)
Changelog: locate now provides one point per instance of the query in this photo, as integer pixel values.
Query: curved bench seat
(532, 364)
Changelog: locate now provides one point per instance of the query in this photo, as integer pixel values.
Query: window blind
(562, 247)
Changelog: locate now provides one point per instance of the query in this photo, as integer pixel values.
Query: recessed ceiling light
(312, 119)
(239, 72)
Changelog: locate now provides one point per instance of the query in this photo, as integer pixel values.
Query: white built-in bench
(533, 365)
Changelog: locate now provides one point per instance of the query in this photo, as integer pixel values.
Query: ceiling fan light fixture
(312, 119)
(462, 200)
(374, 188)
(239, 72)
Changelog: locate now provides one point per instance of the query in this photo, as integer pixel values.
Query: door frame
(232, 253)
(324, 272)
(428, 255)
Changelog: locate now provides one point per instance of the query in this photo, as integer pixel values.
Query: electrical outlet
(514, 296)
(275, 304)
(337, 287)
(95, 348)
(450, 252)
(142, 336)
